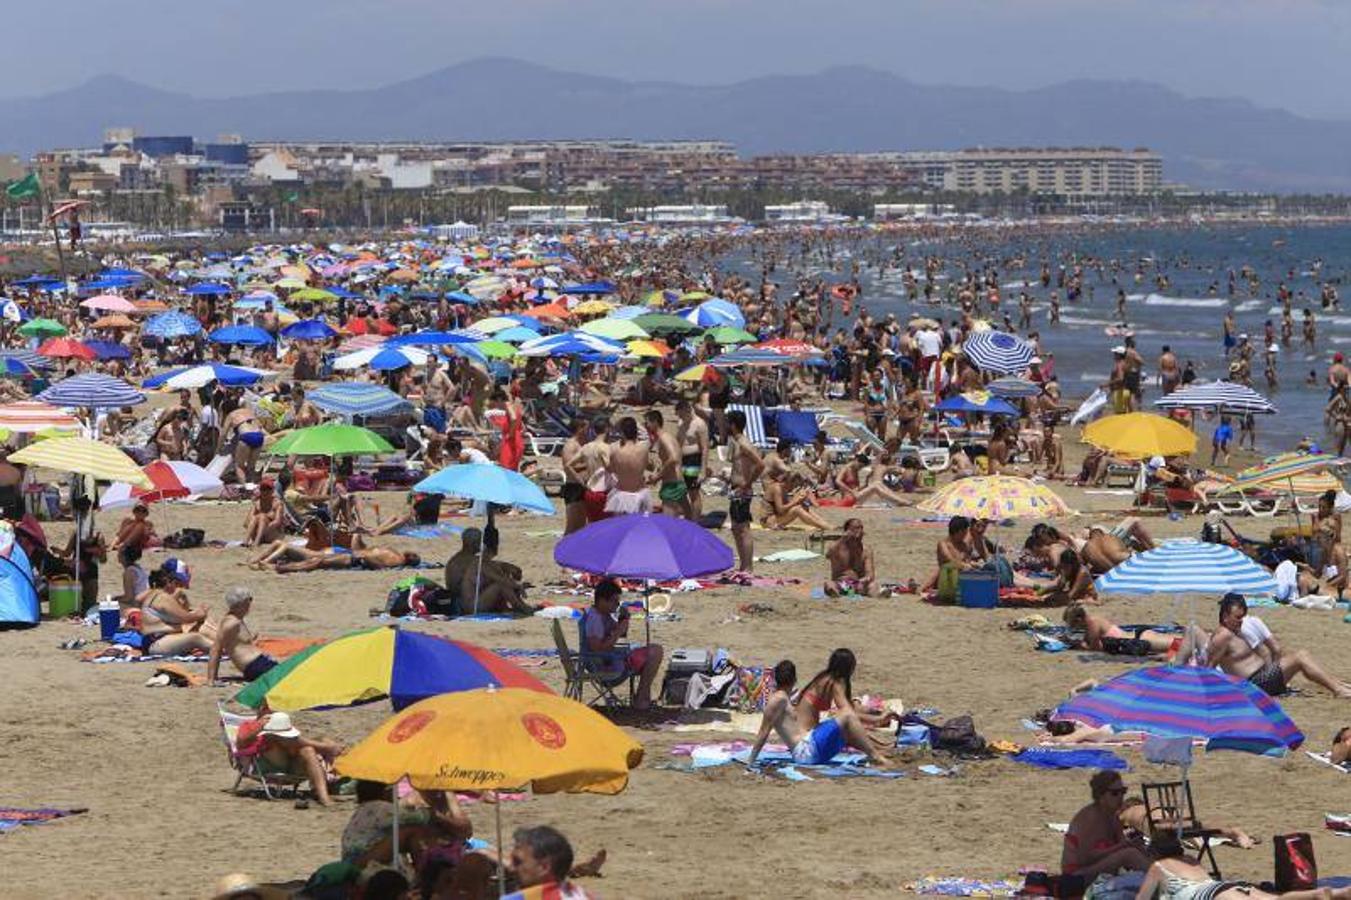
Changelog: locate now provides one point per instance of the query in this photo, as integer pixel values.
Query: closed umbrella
(1185, 566)
(93, 391)
(998, 352)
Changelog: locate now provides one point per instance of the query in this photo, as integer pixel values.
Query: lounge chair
(246, 765)
(1169, 804)
(755, 424)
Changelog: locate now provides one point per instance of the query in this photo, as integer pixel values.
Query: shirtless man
(1232, 653)
(746, 468)
(438, 390)
(667, 476)
(303, 413)
(575, 472)
(234, 640)
(596, 455)
(371, 559)
(628, 465)
(692, 437)
(955, 549)
(851, 563)
(1170, 375)
(491, 585)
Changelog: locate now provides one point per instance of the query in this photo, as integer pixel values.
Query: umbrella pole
(478, 579)
(394, 850)
(501, 863)
(647, 612)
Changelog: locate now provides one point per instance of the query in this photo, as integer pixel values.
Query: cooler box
(978, 590)
(683, 663)
(63, 599)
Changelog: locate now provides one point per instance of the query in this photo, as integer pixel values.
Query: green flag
(293, 196)
(23, 188)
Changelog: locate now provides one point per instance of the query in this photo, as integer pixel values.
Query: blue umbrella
(36, 281)
(357, 398)
(716, 311)
(432, 339)
(749, 356)
(121, 273)
(244, 335)
(487, 482)
(1186, 566)
(29, 358)
(109, 349)
(173, 324)
(11, 366)
(462, 297)
(342, 292)
(92, 390)
(592, 287)
(974, 403)
(197, 376)
(516, 334)
(1014, 387)
(308, 330)
(995, 351)
(573, 343)
(209, 289)
(108, 283)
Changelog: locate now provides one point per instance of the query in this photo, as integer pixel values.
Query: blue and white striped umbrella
(27, 357)
(1187, 566)
(996, 351)
(749, 356)
(382, 358)
(193, 377)
(435, 338)
(572, 343)
(92, 390)
(357, 398)
(172, 324)
(1014, 387)
(1222, 395)
(716, 311)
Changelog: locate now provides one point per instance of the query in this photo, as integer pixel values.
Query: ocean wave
(1198, 302)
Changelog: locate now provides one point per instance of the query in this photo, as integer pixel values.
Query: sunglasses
(1117, 792)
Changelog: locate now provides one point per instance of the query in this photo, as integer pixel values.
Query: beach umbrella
(173, 324)
(496, 740)
(65, 348)
(255, 300)
(485, 349)
(27, 357)
(42, 328)
(1193, 702)
(1284, 467)
(788, 347)
(549, 311)
(1140, 436)
(569, 344)
(629, 312)
(109, 303)
(647, 349)
(663, 323)
(749, 356)
(1222, 395)
(193, 377)
(716, 312)
(657, 299)
(488, 482)
(82, 456)
(435, 338)
(382, 358)
(243, 335)
(209, 289)
(357, 398)
(592, 308)
(1014, 387)
(11, 311)
(330, 439)
(32, 417)
(703, 373)
(115, 320)
(312, 295)
(1186, 566)
(92, 390)
(996, 497)
(494, 324)
(308, 330)
(998, 352)
(150, 305)
(729, 334)
(377, 663)
(109, 349)
(614, 329)
(977, 402)
(653, 547)
(592, 287)
(170, 479)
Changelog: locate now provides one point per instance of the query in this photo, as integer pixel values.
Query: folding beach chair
(247, 765)
(1168, 805)
(755, 424)
(583, 669)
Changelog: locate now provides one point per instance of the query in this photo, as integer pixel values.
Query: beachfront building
(692, 214)
(803, 212)
(546, 216)
(1066, 172)
(458, 232)
(889, 212)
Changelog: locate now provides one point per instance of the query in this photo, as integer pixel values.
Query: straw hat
(238, 886)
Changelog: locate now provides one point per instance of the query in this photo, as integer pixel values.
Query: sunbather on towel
(812, 745)
(1135, 816)
(234, 640)
(372, 559)
(1100, 630)
(1341, 747)
(851, 563)
(1174, 878)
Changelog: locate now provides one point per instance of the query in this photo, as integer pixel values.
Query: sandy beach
(150, 766)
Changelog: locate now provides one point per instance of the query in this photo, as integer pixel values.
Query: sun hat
(279, 725)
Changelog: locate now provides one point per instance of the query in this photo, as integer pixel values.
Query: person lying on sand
(818, 744)
(1099, 630)
(372, 559)
(1135, 816)
(1174, 878)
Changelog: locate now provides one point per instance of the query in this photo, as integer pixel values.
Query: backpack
(185, 539)
(957, 735)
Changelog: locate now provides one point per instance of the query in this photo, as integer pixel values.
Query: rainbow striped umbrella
(1286, 466)
(1174, 701)
(997, 497)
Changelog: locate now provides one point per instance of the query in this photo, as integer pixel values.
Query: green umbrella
(312, 295)
(615, 329)
(726, 334)
(330, 440)
(42, 328)
(495, 349)
(664, 323)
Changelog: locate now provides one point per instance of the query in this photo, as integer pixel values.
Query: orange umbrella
(404, 275)
(117, 320)
(553, 310)
(150, 306)
(526, 264)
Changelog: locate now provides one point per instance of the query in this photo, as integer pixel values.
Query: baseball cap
(1337, 357)
(179, 569)
(1156, 462)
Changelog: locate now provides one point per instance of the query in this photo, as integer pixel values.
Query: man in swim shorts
(1233, 653)
(672, 491)
(746, 468)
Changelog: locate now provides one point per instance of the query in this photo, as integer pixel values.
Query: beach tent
(18, 595)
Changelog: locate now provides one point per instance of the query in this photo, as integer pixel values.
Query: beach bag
(1296, 869)
(1126, 646)
(948, 577)
(185, 539)
(1001, 567)
(957, 735)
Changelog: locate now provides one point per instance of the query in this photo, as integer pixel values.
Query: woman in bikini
(832, 689)
(851, 488)
(168, 626)
(1074, 582)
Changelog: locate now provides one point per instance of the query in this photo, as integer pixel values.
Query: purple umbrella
(653, 547)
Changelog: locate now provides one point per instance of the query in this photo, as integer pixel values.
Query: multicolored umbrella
(977, 402)
(506, 739)
(654, 547)
(375, 663)
(1174, 701)
(357, 398)
(170, 479)
(382, 358)
(1286, 466)
(996, 497)
(32, 417)
(1140, 435)
(1185, 566)
(332, 439)
(83, 457)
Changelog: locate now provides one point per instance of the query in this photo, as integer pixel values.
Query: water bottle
(110, 616)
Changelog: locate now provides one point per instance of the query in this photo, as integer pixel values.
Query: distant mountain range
(1211, 143)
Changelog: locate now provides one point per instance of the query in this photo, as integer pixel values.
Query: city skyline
(1284, 55)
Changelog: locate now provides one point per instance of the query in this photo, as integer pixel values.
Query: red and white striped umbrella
(171, 479)
(32, 416)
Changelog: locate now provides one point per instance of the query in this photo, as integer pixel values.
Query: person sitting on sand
(1100, 630)
(874, 490)
(491, 585)
(427, 820)
(1230, 651)
(235, 640)
(815, 745)
(421, 509)
(781, 507)
(281, 749)
(1095, 843)
(851, 563)
(601, 630)
(953, 550)
(136, 530)
(1074, 582)
(168, 626)
(832, 688)
(266, 521)
(1172, 877)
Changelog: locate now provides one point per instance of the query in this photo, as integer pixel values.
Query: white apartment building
(553, 215)
(1064, 171)
(804, 211)
(697, 213)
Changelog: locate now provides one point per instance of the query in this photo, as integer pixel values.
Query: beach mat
(1047, 758)
(429, 532)
(12, 817)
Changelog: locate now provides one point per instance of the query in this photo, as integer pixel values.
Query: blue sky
(1287, 53)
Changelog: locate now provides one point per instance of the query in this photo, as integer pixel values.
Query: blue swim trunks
(819, 747)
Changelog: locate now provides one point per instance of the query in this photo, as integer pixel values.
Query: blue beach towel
(1046, 758)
